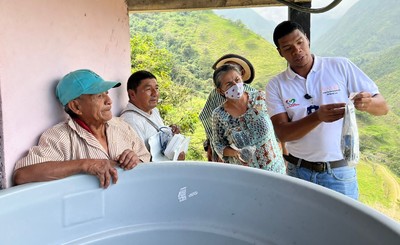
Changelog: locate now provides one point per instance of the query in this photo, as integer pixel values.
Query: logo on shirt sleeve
(291, 103)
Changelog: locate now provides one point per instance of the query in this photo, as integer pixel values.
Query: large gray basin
(188, 203)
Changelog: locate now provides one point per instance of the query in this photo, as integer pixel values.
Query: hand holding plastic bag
(247, 154)
(350, 140)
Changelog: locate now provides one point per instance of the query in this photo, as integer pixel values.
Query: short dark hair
(285, 28)
(137, 77)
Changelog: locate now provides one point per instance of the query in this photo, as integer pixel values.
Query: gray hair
(222, 70)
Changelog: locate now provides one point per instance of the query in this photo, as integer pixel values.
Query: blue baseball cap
(79, 82)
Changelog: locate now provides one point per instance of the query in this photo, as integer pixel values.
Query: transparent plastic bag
(247, 154)
(158, 144)
(165, 135)
(350, 141)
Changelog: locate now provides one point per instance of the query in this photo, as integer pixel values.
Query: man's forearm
(47, 171)
(378, 106)
(289, 131)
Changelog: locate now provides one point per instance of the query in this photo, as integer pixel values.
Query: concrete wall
(41, 41)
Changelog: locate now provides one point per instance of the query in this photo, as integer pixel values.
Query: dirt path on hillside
(392, 189)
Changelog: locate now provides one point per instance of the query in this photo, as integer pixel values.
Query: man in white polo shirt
(306, 104)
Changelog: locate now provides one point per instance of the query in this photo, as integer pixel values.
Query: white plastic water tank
(188, 203)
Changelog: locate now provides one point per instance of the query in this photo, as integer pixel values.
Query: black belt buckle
(314, 166)
(322, 167)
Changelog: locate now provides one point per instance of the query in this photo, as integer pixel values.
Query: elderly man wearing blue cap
(90, 141)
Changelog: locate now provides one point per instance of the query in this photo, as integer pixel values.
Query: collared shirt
(331, 80)
(69, 141)
(138, 120)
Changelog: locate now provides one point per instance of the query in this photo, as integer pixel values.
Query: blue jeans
(343, 179)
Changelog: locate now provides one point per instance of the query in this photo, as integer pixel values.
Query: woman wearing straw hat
(215, 99)
(242, 132)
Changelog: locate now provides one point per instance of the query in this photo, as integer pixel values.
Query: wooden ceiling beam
(176, 5)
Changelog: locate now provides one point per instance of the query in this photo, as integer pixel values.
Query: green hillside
(197, 39)
(369, 26)
(379, 188)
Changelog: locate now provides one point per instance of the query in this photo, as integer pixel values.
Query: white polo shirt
(331, 80)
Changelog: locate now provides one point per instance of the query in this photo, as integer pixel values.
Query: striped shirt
(69, 141)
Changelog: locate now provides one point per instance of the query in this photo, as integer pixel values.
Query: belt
(315, 166)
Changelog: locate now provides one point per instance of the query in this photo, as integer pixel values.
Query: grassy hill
(369, 26)
(379, 188)
(197, 39)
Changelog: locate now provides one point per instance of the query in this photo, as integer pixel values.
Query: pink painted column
(41, 41)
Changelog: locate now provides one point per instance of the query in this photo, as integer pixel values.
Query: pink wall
(42, 40)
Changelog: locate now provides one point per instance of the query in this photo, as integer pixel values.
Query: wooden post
(302, 18)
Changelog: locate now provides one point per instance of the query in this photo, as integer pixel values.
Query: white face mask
(235, 92)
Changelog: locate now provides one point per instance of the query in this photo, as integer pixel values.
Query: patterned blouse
(253, 128)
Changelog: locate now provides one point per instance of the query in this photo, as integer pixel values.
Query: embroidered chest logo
(331, 90)
(291, 103)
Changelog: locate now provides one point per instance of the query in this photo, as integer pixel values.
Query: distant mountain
(251, 19)
(320, 23)
(368, 26)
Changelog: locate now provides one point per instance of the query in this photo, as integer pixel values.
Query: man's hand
(128, 159)
(104, 170)
(362, 101)
(175, 129)
(182, 156)
(331, 112)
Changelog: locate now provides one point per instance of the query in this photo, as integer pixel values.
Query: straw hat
(248, 68)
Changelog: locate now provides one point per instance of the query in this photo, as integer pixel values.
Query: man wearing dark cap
(215, 99)
(90, 141)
